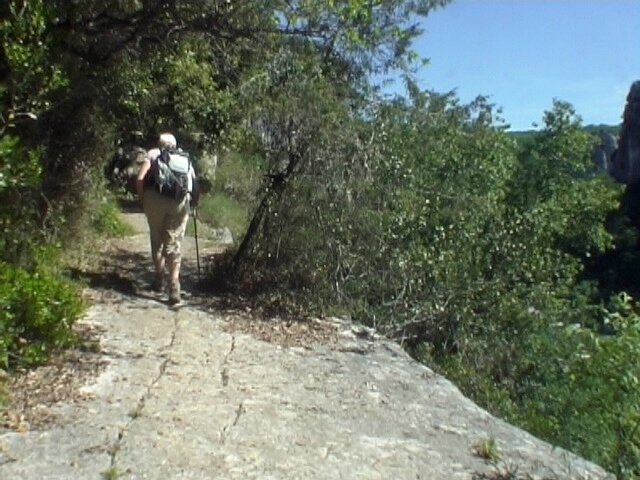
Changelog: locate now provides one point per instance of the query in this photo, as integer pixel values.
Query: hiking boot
(174, 293)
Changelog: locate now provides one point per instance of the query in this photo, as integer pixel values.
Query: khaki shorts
(167, 222)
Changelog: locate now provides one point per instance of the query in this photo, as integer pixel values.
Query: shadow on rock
(131, 275)
(121, 271)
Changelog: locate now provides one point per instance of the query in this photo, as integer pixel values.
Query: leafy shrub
(37, 311)
(590, 387)
(20, 176)
(106, 220)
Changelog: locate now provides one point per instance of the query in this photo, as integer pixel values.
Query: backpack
(170, 174)
(625, 160)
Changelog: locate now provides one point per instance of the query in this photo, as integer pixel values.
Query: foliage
(26, 44)
(555, 158)
(599, 129)
(37, 314)
(20, 168)
(20, 174)
(239, 177)
(233, 193)
(435, 196)
(302, 126)
(536, 354)
(597, 375)
(376, 35)
(48, 153)
(105, 220)
(219, 210)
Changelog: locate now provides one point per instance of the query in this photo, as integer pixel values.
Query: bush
(37, 312)
(105, 220)
(591, 385)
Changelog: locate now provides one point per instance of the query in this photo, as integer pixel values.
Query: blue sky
(524, 53)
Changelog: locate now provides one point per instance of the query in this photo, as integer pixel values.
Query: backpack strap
(165, 155)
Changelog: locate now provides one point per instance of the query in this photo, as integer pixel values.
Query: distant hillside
(524, 136)
(612, 129)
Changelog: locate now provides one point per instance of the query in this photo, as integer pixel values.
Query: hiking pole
(195, 232)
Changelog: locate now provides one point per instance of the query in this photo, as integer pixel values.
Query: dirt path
(197, 393)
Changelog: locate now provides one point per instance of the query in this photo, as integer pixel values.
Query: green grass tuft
(111, 473)
(488, 449)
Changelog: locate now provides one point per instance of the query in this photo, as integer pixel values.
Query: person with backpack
(166, 188)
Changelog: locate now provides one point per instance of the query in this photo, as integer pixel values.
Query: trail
(199, 392)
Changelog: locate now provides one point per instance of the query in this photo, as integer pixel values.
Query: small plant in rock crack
(136, 412)
(487, 449)
(111, 473)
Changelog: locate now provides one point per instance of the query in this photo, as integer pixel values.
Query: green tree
(330, 49)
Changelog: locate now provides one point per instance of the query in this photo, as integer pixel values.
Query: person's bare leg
(155, 218)
(174, 278)
(175, 235)
(159, 264)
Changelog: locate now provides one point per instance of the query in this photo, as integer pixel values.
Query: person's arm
(144, 168)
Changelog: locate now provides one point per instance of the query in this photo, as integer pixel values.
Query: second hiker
(165, 185)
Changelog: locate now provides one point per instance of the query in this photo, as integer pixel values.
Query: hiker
(166, 206)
